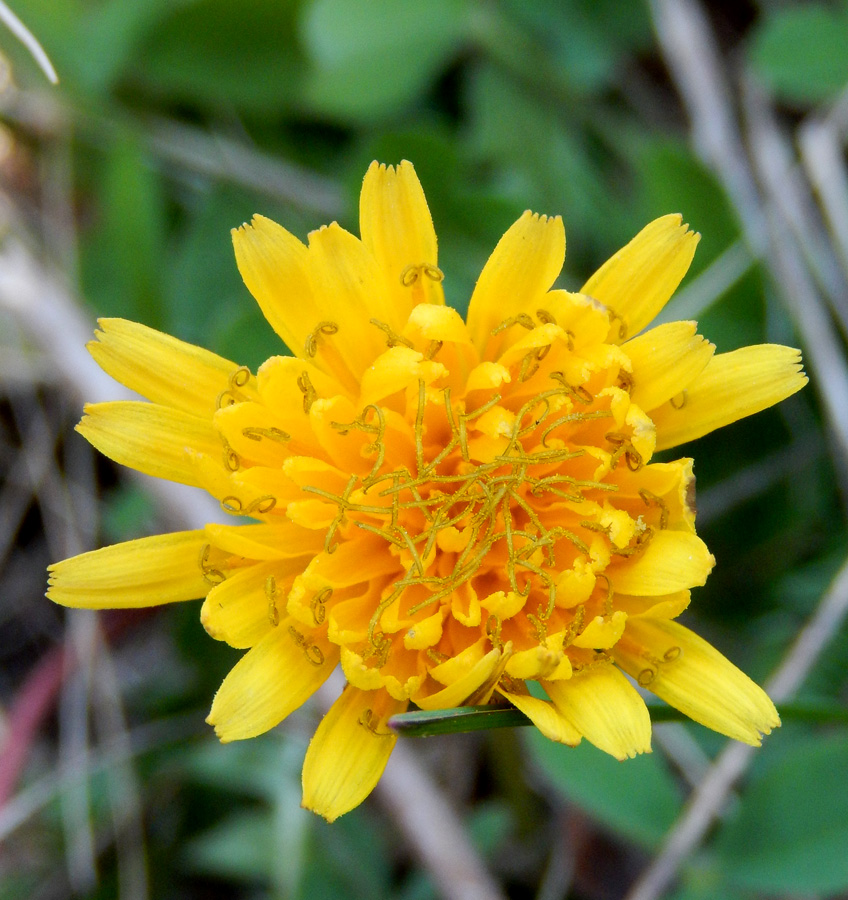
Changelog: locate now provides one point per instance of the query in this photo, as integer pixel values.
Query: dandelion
(448, 509)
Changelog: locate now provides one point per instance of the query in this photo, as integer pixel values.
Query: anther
(392, 337)
(433, 349)
(651, 499)
(625, 381)
(319, 610)
(638, 545)
(311, 344)
(240, 377)
(271, 594)
(210, 574)
(622, 325)
(273, 434)
(521, 319)
(679, 401)
(231, 458)
(493, 631)
(623, 447)
(231, 504)
(576, 392)
(261, 505)
(646, 676)
(413, 272)
(366, 720)
(308, 391)
(312, 652)
(672, 654)
(545, 317)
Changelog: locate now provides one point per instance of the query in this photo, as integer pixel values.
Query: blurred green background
(176, 120)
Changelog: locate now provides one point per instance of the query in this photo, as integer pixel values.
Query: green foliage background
(175, 121)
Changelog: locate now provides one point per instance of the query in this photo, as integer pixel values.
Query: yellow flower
(448, 509)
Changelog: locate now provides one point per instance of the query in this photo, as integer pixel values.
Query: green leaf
(637, 798)
(368, 59)
(800, 52)
(216, 53)
(123, 258)
(791, 831)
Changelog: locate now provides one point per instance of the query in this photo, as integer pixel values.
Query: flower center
(501, 494)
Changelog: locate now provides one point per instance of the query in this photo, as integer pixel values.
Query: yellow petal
(273, 679)
(602, 705)
(254, 433)
(162, 368)
(349, 751)
(586, 321)
(145, 572)
(732, 386)
(248, 604)
(602, 633)
(429, 322)
(546, 717)
(275, 540)
(672, 561)
(363, 558)
(397, 228)
(665, 360)
(691, 675)
(273, 264)
(395, 370)
(663, 606)
(516, 278)
(156, 440)
(425, 633)
(535, 663)
(456, 693)
(639, 280)
(487, 376)
(345, 277)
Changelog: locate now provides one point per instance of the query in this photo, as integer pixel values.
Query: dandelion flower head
(448, 509)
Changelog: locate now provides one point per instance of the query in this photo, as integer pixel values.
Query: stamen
(625, 381)
(651, 499)
(638, 546)
(679, 401)
(261, 505)
(413, 272)
(493, 631)
(309, 393)
(574, 417)
(433, 349)
(623, 447)
(545, 317)
(610, 592)
(322, 328)
(419, 428)
(319, 610)
(273, 434)
(210, 574)
(596, 526)
(312, 652)
(392, 337)
(622, 325)
(576, 392)
(645, 677)
(521, 319)
(271, 594)
(231, 458)
(340, 519)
